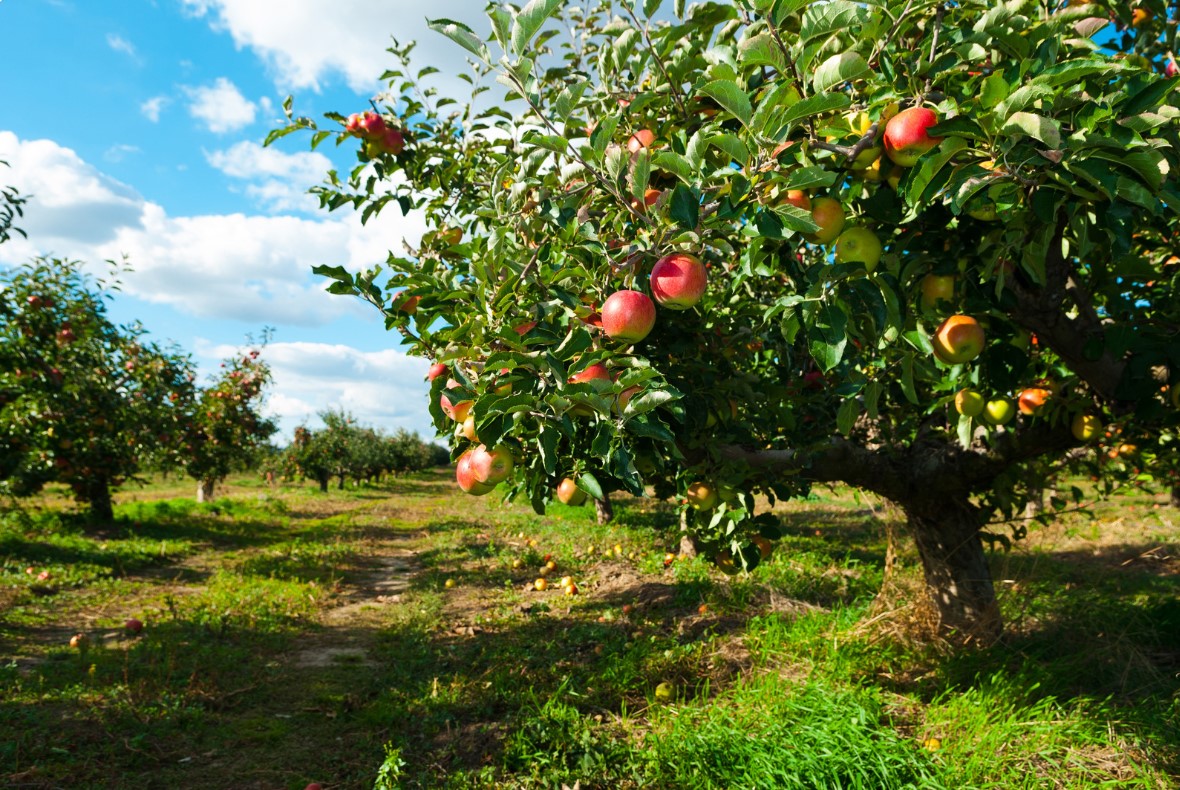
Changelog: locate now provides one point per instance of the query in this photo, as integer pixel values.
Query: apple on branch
(828, 213)
(628, 316)
(958, 339)
(568, 493)
(465, 476)
(969, 402)
(859, 245)
(907, 135)
(678, 280)
(937, 288)
(490, 466)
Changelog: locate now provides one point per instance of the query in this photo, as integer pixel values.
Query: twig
(660, 63)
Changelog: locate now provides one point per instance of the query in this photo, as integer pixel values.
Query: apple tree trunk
(205, 490)
(323, 481)
(956, 571)
(1175, 496)
(604, 510)
(97, 496)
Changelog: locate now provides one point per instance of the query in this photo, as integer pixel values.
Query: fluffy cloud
(152, 107)
(303, 45)
(382, 388)
(279, 180)
(230, 266)
(120, 44)
(221, 106)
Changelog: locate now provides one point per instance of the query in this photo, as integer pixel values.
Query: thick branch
(1047, 312)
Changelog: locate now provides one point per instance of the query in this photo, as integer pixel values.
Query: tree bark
(98, 496)
(205, 490)
(324, 483)
(604, 510)
(688, 546)
(1175, 496)
(340, 483)
(956, 570)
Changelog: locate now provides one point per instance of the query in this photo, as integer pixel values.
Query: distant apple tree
(83, 402)
(938, 242)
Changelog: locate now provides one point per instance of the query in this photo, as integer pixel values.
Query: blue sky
(136, 128)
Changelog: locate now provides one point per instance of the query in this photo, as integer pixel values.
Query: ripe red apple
(828, 213)
(568, 493)
(1032, 400)
(644, 138)
(353, 124)
(465, 477)
(906, 137)
(490, 466)
(628, 316)
(371, 124)
(650, 196)
(392, 141)
(969, 402)
(678, 280)
(436, 370)
(861, 245)
(1171, 69)
(132, 625)
(595, 372)
(958, 339)
(937, 288)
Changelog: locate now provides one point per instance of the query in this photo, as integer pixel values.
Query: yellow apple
(1086, 427)
(969, 402)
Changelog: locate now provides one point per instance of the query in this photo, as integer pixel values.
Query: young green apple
(861, 245)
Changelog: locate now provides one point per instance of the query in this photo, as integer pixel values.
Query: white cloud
(152, 107)
(235, 266)
(117, 153)
(382, 388)
(120, 44)
(303, 46)
(221, 106)
(280, 180)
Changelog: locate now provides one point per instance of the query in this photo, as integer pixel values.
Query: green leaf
(810, 177)
(651, 6)
(461, 35)
(641, 174)
(648, 401)
(529, 21)
(761, 50)
(907, 379)
(928, 167)
(796, 219)
(993, 91)
(809, 107)
(1047, 130)
(828, 337)
(964, 431)
(501, 26)
(685, 207)
(731, 97)
(838, 69)
(846, 415)
(675, 164)
(733, 146)
(589, 483)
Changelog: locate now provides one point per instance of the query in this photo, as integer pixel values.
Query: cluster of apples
(678, 281)
(379, 138)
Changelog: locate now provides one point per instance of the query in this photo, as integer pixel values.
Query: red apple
(392, 141)
(1171, 69)
(1032, 400)
(132, 625)
(353, 124)
(958, 339)
(490, 466)
(406, 305)
(465, 476)
(436, 370)
(644, 138)
(678, 280)
(628, 316)
(568, 493)
(828, 213)
(595, 372)
(372, 124)
(906, 137)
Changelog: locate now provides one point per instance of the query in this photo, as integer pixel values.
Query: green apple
(999, 411)
(860, 245)
(969, 402)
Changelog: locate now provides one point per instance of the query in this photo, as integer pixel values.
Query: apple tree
(733, 248)
(83, 402)
(226, 428)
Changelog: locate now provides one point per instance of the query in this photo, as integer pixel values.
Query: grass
(293, 636)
